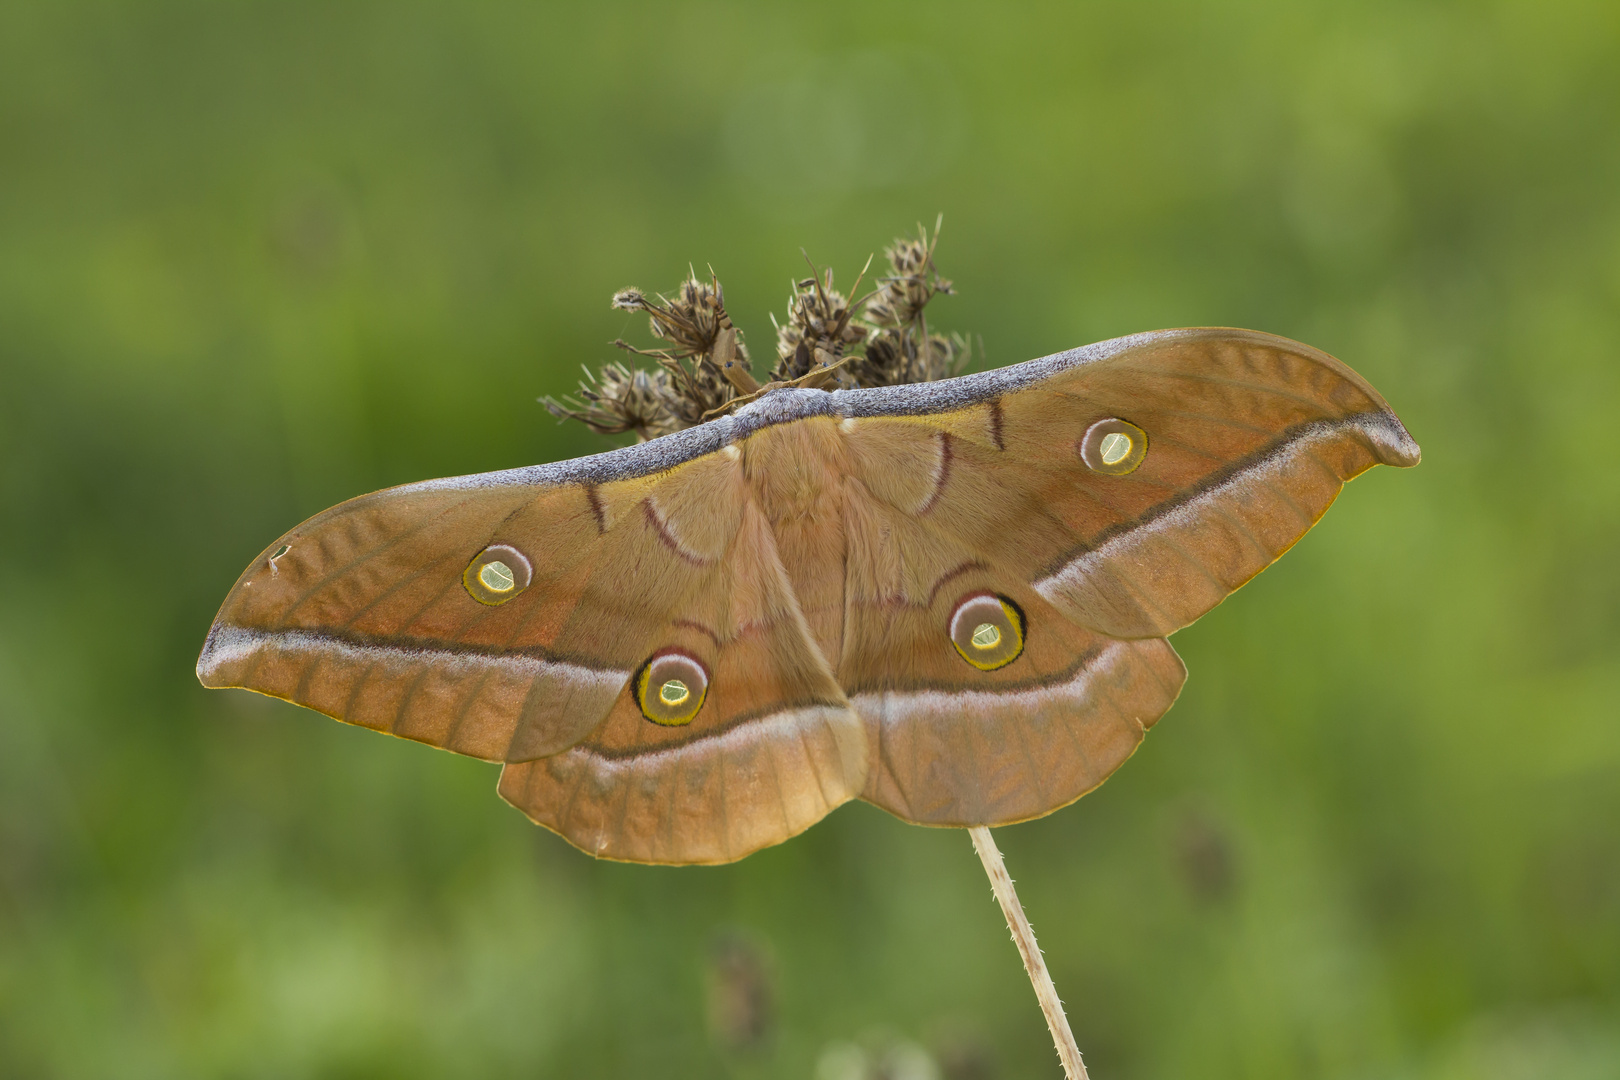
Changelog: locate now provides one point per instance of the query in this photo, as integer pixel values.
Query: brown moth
(949, 599)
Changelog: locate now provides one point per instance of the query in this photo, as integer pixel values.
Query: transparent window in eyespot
(1115, 448)
(497, 577)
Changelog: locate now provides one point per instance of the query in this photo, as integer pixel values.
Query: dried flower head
(911, 283)
(900, 347)
(622, 399)
(897, 355)
(881, 339)
(691, 380)
(692, 323)
(819, 318)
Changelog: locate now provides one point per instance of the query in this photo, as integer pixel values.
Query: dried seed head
(819, 317)
(621, 399)
(691, 323)
(629, 300)
(901, 348)
(897, 355)
(829, 340)
(911, 283)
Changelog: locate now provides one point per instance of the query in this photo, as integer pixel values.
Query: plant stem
(1024, 938)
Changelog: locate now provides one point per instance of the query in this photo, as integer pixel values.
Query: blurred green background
(256, 258)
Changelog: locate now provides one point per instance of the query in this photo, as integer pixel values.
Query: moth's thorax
(793, 469)
(795, 473)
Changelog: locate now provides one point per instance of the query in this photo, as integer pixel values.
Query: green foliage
(256, 258)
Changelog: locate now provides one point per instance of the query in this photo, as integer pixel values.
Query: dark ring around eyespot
(497, 574)
(988, 609)
(1091, 446)
(665, 666)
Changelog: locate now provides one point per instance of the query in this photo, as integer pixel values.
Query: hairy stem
(1024, 938)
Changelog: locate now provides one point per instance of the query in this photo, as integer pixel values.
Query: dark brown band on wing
(594, 497)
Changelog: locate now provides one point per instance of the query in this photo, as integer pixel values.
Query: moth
(949, 599)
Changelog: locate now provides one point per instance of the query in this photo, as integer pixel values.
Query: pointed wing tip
(207, 662)
(1391, 441)
(1405, 452)
(215, 656)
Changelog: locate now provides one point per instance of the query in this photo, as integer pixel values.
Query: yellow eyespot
(1113, 447)
(497, 577)
(497, 574)
(670, 688)
(987, 630)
